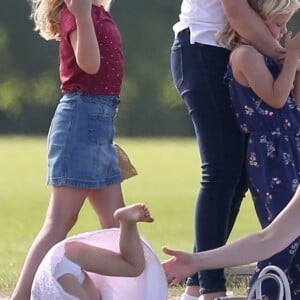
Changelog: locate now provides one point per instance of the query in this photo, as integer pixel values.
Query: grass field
(168, 182)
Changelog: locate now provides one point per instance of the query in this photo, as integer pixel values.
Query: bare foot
(133, 213)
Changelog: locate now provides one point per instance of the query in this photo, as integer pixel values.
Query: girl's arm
(255, 247)
(251, 26)
(83, 39)
(250, 69)
(297, 88)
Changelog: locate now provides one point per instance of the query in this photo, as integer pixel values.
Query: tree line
(150, 105)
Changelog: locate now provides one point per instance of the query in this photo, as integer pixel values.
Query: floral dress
(273, 154)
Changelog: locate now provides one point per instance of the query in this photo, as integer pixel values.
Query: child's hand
(280, 53)
(79, 7)
(293, 43)
(298, 65)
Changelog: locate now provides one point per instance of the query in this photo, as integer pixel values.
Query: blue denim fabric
(198, 72)
(80, 142)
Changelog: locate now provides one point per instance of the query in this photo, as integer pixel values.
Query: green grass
(168, 182)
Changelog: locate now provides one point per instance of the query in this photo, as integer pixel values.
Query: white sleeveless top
(203, 17)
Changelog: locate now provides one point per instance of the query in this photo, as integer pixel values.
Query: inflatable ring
(150, 285)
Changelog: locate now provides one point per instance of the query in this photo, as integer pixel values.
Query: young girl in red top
(82, 160)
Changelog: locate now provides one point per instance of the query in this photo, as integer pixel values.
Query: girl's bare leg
(85, 291)
(105, 201)
(65, 203)
(130, 262)
(71, 285)
(130, 243)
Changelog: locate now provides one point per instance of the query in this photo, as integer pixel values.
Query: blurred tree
(29, 86)
(28, 80)
(151, 105)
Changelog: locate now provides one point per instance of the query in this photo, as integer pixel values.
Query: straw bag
(280, 278)
(127, 168)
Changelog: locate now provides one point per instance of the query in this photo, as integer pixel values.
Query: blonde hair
(266, 9)
(45, 14)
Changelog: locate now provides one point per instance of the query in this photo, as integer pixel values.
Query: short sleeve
(67, 23)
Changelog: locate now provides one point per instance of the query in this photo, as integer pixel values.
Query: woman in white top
(198, 65)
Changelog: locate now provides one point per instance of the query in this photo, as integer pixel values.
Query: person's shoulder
(67, 21)
(245, 51)
(245, 60)
(65, 12)
(245, 55)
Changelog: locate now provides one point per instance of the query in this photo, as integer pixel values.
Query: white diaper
(66, 266)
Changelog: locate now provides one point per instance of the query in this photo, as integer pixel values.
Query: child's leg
(83, 291)
(105, 201)
(63, 209)
(130, 243)
(74, 280)
(130, 262)
(72, 286)
(91, 289)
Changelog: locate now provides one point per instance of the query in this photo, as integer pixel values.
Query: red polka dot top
(108, 80)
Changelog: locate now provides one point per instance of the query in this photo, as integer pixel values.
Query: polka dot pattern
(109, 78)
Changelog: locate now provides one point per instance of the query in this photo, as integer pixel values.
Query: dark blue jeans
(198, 72)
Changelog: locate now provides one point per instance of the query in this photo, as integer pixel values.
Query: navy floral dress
(273, 162)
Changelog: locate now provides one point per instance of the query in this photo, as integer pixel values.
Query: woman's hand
(178, 267)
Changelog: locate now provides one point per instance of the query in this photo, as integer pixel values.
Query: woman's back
(203, 17)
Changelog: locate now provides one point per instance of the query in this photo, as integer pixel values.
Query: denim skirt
(81, 153)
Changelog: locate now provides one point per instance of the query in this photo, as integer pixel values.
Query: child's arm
(249, 64)
(297, 88)
(255, 247)
(251, 26)
(83, 39)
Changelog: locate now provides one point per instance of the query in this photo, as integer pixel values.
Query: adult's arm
(251, 27)
(257, 246)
